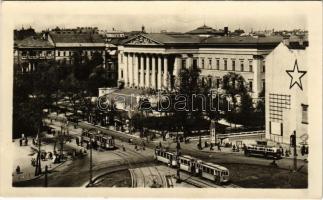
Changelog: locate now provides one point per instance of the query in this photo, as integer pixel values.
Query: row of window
(36, 53)
(209, 81)
(70, 53)
(207, 63)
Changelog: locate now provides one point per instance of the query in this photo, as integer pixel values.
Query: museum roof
(186, 39)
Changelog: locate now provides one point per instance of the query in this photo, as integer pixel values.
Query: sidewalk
(23, 156)
(192, 145)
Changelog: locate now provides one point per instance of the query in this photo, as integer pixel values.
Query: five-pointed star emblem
(296, 76)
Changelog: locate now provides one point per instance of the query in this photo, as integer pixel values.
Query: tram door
(192, 166)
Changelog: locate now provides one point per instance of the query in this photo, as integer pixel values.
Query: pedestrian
(303, 150)
(20, 142)
(205, 144)
(136, 147)
(306, 150)
(282, 151)
(26, 141)
(18, 169)
(211, 147)
(234, 148)
(219, 147)
(123, 148)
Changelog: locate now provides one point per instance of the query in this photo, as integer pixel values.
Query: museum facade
(153, 60)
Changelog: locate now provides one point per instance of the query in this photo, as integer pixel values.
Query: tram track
(124, 157)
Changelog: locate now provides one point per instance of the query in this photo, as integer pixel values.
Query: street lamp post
(38, 162)
(91, 162)
(178, 180)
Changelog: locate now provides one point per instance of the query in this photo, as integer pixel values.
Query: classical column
(142, 81)
(29, 67)
(125, 73)
(153, 72)
(136, 73)
(120, 65)
(177, 66)
(159, 73)
(130, 68)
(147, 72)
(165, 72)
(256, 84)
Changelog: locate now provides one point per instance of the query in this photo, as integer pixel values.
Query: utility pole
(178, 180)
(38, 162)
(46, 178)
(295, 151)
(91, 166)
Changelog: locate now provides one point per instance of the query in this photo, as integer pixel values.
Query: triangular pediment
(142, 40)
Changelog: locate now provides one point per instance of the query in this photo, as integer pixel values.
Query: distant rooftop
(205, 30)
(33, 42)
(75, 37)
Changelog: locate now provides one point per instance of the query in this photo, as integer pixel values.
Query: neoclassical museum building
(153, 60)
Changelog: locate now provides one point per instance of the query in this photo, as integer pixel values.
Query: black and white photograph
(163, 95)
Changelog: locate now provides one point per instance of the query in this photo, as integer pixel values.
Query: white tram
(194, 166)
(214, 172)
(189, 164)
(168, 158)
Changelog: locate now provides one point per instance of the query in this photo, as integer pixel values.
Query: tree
(234, 86)
(246, 111)
(33, 92)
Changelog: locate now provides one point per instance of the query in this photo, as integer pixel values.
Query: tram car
(214, 172)
(102, 141)
(194, 166)
(166, 157)
(105, 141)
(263, 151)
(86, 137)
(189, 164)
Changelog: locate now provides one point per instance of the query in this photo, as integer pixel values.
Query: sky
(170, 16)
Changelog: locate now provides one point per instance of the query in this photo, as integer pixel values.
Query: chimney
(226, 31)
